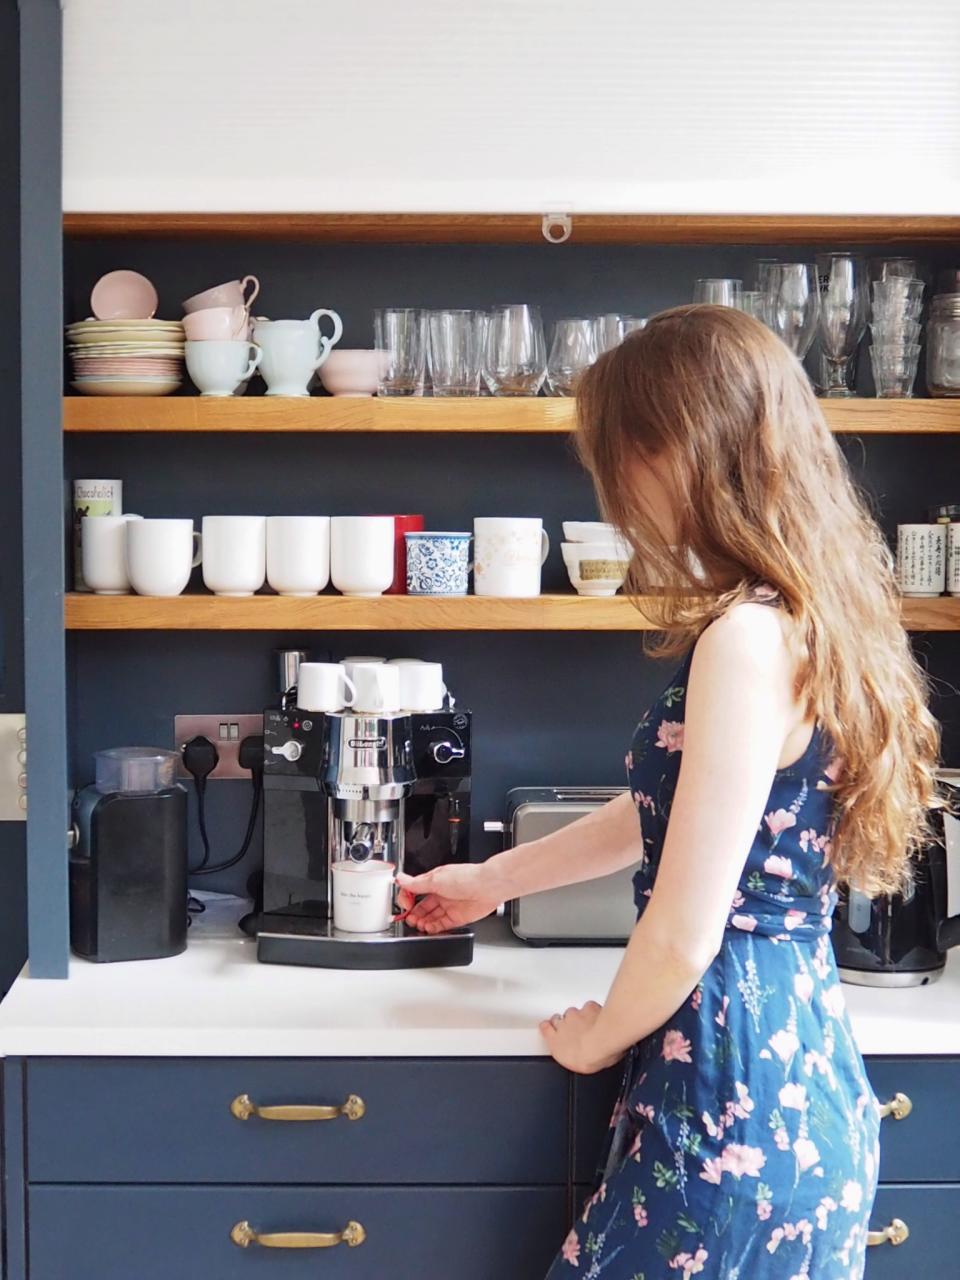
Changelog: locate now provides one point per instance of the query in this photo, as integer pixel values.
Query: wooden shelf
(520, 228)
(399, 613)
(485, 414)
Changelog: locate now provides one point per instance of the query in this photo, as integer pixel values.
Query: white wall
(841, 106)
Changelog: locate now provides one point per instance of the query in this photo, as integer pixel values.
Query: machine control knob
(444, 752)
(291, 750)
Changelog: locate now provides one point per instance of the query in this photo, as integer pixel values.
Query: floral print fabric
(744, 1143)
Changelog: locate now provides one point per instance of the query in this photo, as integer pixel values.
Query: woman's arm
(739, 711)
(595, 845)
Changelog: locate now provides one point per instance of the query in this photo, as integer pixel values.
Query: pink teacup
(231, 294)
(217, 324)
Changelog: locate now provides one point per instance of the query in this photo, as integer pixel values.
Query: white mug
(104, 551)
(953, 559)
(160, 555)
(218, 367)
(508, 555)
(298, 554)
(363, 895)
(293, 350)
(361, 554)
(324, 686)
(234, 554)
(421, 686)
(349, 663)
(377, 687)
(921, 559)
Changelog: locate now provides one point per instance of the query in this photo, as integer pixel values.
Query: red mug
(401, 526)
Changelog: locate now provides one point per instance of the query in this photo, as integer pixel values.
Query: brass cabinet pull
(899, 1107)
(243, 1234)
(895, 1233)
(243, 1108)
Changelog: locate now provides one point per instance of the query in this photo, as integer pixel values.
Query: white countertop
(216, 1001)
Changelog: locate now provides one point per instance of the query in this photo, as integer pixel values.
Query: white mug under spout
(363, 894)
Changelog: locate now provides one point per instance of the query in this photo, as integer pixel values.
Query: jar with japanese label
(943, 345)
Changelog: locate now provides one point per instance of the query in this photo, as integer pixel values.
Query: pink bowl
(353, 372)
(123, 295)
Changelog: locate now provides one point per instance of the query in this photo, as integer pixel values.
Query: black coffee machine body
(902, 941)
(294, 925)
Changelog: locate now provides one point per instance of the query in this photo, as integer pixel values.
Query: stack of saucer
(126, 357)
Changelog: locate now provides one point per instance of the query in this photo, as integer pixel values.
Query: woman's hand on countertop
(452, 896)
(569, 1038)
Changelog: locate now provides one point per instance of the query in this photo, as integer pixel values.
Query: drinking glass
(721, 293)
(754, 302)
(574, 348)
(607, 332)
(843, 317)
(898, 291)
(764, 269)
(515, 351)
(794, 304)
(401, 332)
(894, 268)
(631, 324)
(456, 351)
(895, 370)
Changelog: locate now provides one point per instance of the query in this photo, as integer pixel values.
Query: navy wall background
(550, 708)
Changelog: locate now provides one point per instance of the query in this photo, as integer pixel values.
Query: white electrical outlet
(13, 767)
(226, 732)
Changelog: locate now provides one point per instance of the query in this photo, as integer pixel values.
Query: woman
(792, 748)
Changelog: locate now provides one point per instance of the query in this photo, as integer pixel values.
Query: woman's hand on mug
(450, 896)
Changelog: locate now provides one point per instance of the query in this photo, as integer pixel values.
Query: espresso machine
(348, 785)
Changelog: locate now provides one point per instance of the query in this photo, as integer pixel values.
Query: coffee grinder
(348, 785)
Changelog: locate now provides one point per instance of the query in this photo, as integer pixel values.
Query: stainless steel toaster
(595, 912)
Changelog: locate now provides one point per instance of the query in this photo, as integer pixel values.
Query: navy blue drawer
(428, 1233)
(931, 1214)
(922, 1146)
(594, 1097)
(156, 1121)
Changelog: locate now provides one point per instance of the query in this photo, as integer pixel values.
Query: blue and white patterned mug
(438, 564)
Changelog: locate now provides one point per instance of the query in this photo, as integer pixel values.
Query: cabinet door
(412, 1233)
(594, 1097)
(930, 1214)
(913, 1149)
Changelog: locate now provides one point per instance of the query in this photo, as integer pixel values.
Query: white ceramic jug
(293, 350)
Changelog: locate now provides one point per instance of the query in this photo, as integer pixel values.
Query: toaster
(597, 912)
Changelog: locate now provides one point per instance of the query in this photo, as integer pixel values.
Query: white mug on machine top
(105, 554)
(363, 894)
(509, 553)
(377, 687)
(160, 555)
(921, 559)
(234, 554)
(324, 686)
(421, 686)
(298, 554)
(362, 554)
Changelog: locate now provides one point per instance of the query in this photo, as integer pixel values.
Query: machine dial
(445, 752)
(291, 750)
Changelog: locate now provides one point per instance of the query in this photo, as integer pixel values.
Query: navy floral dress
(744, 1145)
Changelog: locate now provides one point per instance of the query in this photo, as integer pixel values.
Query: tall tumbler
(574, 348)
(401, 332)
(515, 351)
(456, 351)
(721, 293)
(608, 331)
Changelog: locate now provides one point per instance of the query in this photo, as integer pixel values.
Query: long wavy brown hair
(762, 495)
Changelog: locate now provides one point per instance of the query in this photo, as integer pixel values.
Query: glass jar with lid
(943, 345)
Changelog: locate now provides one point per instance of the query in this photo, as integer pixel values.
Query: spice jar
(943, 345)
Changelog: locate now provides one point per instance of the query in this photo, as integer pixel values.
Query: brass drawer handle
(899, 1107)
(244, 1235)
(895, 1233)
(243, 1108)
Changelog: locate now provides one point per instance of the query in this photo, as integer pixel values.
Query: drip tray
(284, 940)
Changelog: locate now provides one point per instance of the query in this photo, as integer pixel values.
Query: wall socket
(13, 768)
(226, 732)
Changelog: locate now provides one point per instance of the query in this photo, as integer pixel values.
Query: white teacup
(377, 686)
(363, 894)
(160, 556)
(233, 293)
(324, 686)
(234, 554)
(362, 554)
(509, 553)
(104, 553)
(421, 686)
(293, 350)
(218, 324)
(298, 554)
(218, 368)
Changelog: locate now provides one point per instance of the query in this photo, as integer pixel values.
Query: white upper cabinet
(725, 106)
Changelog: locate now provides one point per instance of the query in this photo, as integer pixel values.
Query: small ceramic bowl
(352, 372)
(596, 568)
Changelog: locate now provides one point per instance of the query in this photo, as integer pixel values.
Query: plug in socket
(226, 732)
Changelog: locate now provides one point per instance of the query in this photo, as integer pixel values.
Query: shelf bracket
(557, 228)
